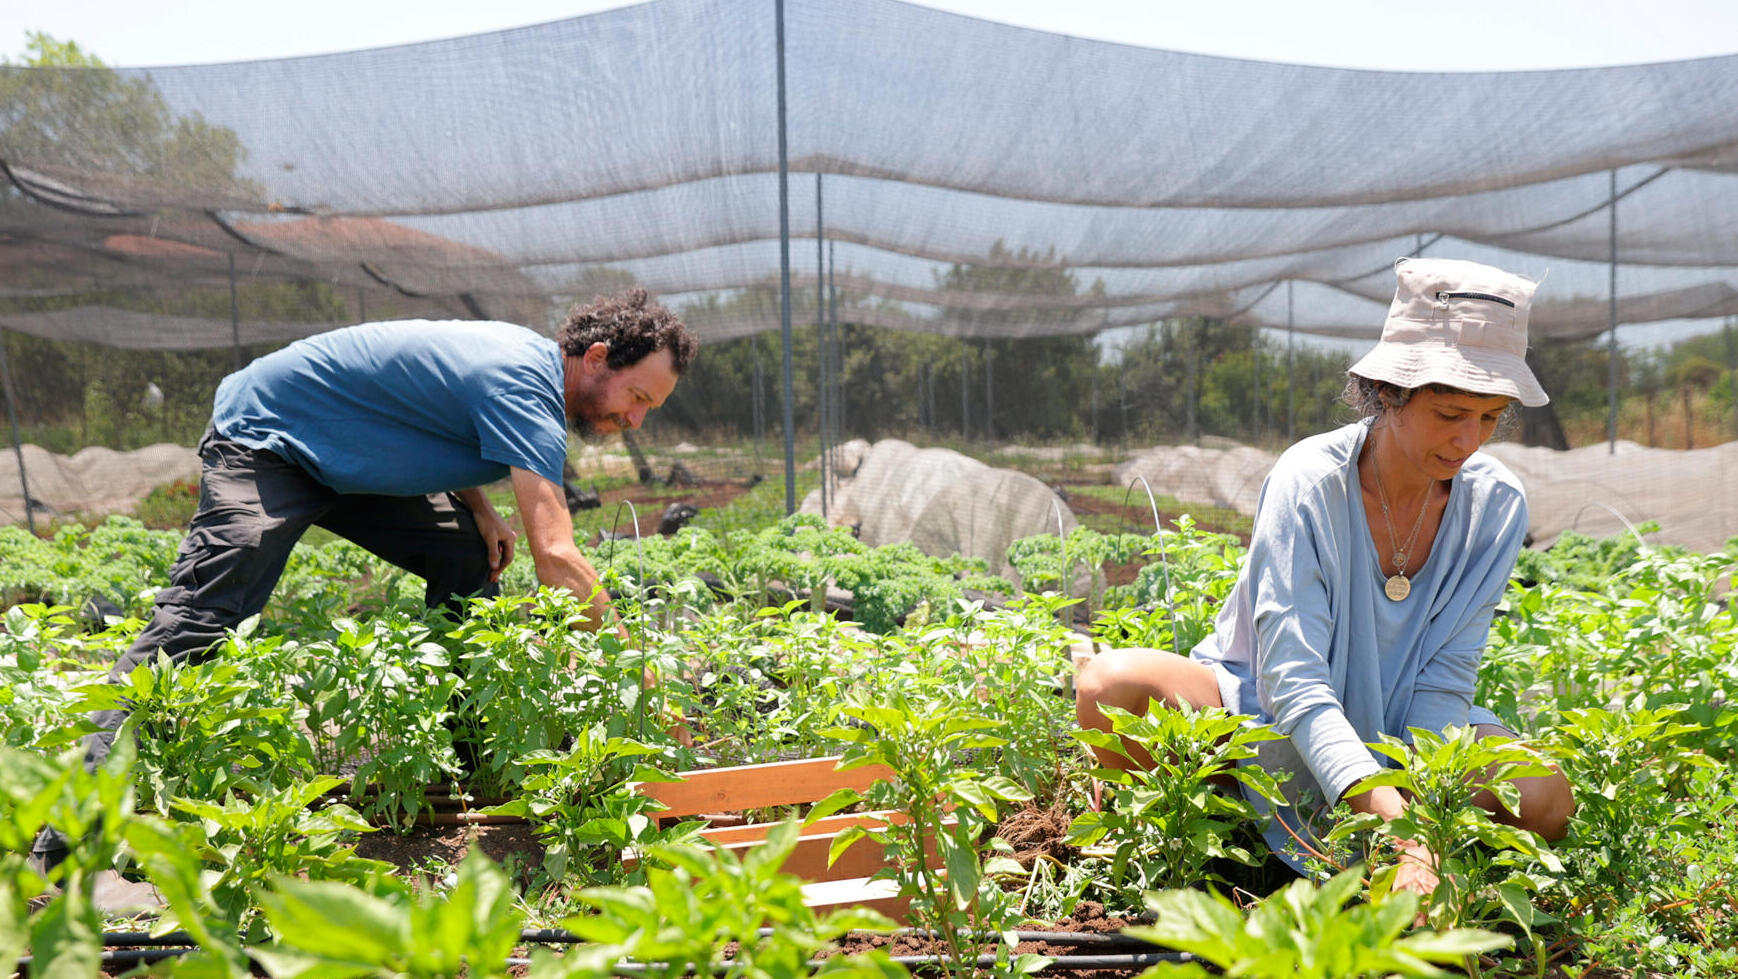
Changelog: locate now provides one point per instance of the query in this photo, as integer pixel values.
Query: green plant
(585, 809)
(380, 693)
(1440, 774)
(946, 808)
(1015, 663)
(40, 662)
(203, 730)
(1304, 932)
(707, 912)
(1167, 816)
(523, 690)
(280, 832)
(336, 930)
(91, 809)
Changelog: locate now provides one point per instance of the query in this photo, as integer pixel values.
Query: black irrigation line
(1128, 960)
(559, 936)
(174, 944)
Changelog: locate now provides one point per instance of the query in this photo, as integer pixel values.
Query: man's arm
(549, 533)
(497, 537)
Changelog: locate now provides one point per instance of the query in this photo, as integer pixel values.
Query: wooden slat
(830, 824)
(758, 786)
(808, 859)
(857, 892)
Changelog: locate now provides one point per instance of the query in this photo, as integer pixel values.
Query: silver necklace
(1398, 586)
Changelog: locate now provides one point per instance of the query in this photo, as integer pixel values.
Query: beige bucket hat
(1456, 323)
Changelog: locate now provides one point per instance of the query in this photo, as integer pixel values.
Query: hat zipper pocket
(1442, 298)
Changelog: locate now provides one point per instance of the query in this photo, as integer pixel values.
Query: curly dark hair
(632, 324)
(1370, 398)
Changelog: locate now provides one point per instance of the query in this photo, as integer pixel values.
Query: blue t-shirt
(404, 408)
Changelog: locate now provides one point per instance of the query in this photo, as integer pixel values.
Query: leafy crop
(346, 702)
(1304, 932)
(1162, 824)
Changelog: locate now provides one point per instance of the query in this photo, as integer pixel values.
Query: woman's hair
(1371, 398)
(632, 324)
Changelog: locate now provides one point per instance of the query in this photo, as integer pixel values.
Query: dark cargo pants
(253, 507)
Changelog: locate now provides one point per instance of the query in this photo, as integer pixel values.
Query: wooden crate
(747, 787)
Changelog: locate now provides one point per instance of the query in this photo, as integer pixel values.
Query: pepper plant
(946, 808)
(337, 930)
(1180, 804)
(704, 911)
(1440, 773)
(1304, 932)
(207, 729)
(583, 807)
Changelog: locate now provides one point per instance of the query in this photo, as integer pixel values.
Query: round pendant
(1397, 588)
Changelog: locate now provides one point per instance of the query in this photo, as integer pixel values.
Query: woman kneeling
(1378, 557)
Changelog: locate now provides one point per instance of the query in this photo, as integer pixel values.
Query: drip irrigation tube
(561, 936)
(1059, 963)
(132, 948)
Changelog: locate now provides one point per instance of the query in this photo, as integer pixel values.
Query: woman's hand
(1417, 865)
(1417, 871)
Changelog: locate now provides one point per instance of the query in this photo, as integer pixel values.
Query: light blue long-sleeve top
(1308, 642)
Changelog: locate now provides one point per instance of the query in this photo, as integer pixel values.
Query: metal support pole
(989, 394)
(838, 398)
(1611, 373)
(361, 305)
(1290, 367)
(17, 442)
(1255, 384)
(784, 270)
(234, 315)
(965, 389)
(821, 364)
(1732, 371)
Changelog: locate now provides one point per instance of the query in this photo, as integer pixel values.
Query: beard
(584, 423)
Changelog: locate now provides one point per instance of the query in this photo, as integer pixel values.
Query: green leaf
(338, 922)
(66, 936)
(838, 800)
(843, 841)
(1454, 945)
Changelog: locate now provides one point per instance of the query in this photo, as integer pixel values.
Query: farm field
(293, 799)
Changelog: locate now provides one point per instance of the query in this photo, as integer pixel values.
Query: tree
(72, 117)
(67, 117)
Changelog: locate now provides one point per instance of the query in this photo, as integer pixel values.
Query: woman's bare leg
(1547, 801)
(1129, 679)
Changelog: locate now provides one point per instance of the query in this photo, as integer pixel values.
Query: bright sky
(1479, 35)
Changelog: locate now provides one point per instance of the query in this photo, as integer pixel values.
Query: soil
(1089, 918)
(427, 846)
(1038, 831)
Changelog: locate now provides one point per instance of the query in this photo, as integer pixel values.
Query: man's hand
(498, 537)
(549, 534)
